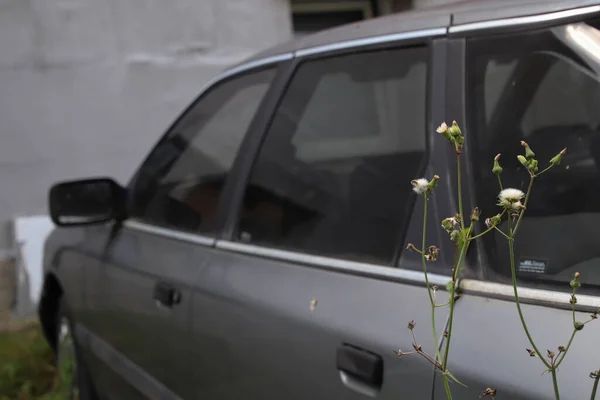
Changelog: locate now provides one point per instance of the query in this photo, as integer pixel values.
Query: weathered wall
(87, 86)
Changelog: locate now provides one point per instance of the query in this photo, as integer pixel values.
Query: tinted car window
(333, 174)
(550, 100)
(180, 183)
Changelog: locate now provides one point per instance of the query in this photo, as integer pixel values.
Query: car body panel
(489, 350)
(264, 328)
(254, 323)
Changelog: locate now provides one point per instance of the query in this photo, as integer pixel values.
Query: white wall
(87, 86)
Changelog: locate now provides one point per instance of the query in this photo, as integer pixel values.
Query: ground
(27, 370)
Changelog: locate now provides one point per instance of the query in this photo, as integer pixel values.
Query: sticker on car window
(532, 266)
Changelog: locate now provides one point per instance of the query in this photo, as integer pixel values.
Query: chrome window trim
(467, 286)
(169, 233)
(527, 20)
(231, 72)
(547, 297)
(335, 264)
(370, 41)
(254, 64)
(392, 37)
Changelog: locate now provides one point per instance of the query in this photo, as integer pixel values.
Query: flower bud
(523, 161)
(454, 235)
(412, 324)
(497, 169)
(578, 325)
(454, 130)
(444, 131)
(475, 214)
(533, 165)
(493, 221)
(529, 154)
(558, 158)
(448, 224)
(433, 183)
(575, 283)
(488, 392)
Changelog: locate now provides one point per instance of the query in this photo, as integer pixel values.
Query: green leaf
(451, 376)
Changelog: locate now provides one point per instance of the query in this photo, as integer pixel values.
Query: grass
(27, 370)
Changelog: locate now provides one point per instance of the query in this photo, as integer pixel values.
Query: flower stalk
(513, 203)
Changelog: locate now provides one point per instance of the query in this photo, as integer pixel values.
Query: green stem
(459, 182)
(516, 294)
(514, 232)
(424, 263)
(573, 307)
(539, 173)
(431, 300)
(449, 393)
(555, 383)
(500, 182)
(463, 251)
(595, 388)
(562, 356)
(503, 234)
(482, 233)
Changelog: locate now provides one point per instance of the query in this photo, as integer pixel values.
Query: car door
(541, 86)
(140, 295)
(308, 292)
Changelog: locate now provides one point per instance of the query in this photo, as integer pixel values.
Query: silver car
(258, 252)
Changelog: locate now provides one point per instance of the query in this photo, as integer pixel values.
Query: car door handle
(166, 295)
(360, 370)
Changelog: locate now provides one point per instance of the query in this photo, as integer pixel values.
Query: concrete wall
(87, 86)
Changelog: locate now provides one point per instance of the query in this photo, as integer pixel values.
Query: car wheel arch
(52, 292)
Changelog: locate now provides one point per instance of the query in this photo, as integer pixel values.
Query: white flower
(442, 128)
(420, 186)
(509, 198)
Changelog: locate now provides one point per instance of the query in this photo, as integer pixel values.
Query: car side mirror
(87, 202)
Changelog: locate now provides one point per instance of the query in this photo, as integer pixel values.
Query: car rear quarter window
(542, 87)
(333, 174)
(180, 184)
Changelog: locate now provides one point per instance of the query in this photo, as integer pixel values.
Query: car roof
(446, 16)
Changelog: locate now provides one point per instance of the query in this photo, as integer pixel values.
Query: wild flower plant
(513, 204)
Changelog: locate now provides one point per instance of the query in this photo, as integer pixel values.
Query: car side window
(333, 174)
(551, 101)
(180, 183)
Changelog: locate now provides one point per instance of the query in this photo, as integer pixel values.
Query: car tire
(74, 380)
